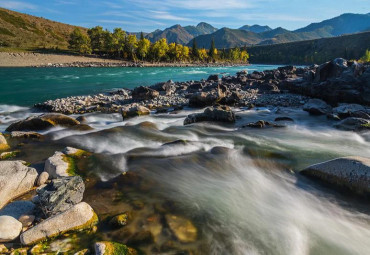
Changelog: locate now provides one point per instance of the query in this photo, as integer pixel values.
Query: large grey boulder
(349, 110)
(43, 122)
(353, 124)
(80, 216)
(134, 111)
(317, 107)
(349, 172)
(60, 195)
(216, 113)
(15, 180)
(10, 228)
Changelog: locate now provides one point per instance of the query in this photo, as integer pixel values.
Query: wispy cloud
(197, 4)
(17, 5)
(163, 15)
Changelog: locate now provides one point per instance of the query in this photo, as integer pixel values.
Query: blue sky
(148, 15)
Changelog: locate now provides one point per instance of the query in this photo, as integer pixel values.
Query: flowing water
(240, 187)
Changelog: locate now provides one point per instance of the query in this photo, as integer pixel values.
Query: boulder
(80, 216)
(213, 77)
(215, 113)
(347, 110)
(182, 228)
(10, 228)
(317, 107)
(120, 220)
(15, 180)
(133, 111)
(352, 173)
(353, 124)
(112, 248)
(60, 195)
(43, 122)
(330, 69)
(57, 165)
(3, 143)
(263, 124)
(144, 93)
(25, 135)
(201, 99)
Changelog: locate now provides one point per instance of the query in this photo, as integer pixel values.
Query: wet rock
(82, 252)
(182, 228)
(57, 165)
(43, 122)
(201, 99)
(317, 107)
(3, 143)
(176, 142)
(348, 110)
(353, 124)
(352, 173)
(18, 208)
(219, 150)
(80, 216)
(60, 195)
(9, 155)
(120, 220)
(81, 119)
(134, 111)
(112, 248)
(284, 119)
(263, 124)
(15, 180)
(144, 93)
(26, 220)
(43, 177)
(19, 251)
(215, 113)
(3, 249)
(141, 238)
(213, 77)
(10, 228)
(25, 135)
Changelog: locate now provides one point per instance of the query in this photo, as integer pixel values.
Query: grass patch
(14, 20)
(4, 31)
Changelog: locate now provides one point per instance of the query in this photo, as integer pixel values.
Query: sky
(148, 15)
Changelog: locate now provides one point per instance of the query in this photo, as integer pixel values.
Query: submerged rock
(317, 107)
(112, 248)
(25, 135)
(182, 228)
(347, 110)
(43, 122)
(15, 180)
(60, 195)
(348, 172)
(10, 228)
(120, 220)
(215, 113)
(263, 124)
(353, 124)
(80, 216)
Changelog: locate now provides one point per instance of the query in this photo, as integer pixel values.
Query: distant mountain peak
(256, 28)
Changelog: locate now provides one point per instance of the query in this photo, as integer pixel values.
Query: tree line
(119, 44)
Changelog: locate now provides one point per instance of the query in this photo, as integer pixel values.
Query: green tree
(159, 49)
(143, 47)
(79, 42)
(118, 41)
(194, 50)
(366, 57)
(97, 37)
(212, 50)
(131, 46)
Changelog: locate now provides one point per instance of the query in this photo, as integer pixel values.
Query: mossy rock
(121, 220)
(19, 251)
(9, 155)
(113, 248)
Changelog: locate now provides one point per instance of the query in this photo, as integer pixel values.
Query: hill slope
(312, 51)
(344, 24)
(24, 31)
(256, 28)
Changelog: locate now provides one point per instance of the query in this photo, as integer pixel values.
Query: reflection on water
(238, 186)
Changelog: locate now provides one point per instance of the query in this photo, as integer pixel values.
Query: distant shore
(29, 59)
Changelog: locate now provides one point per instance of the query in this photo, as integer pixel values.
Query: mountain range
(20, 30)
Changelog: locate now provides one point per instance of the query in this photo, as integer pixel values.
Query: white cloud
(162, 15)
(17, 5)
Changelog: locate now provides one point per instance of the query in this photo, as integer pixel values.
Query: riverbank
(29, 59)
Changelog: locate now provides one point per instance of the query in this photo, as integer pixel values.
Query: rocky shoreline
(339, 90)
